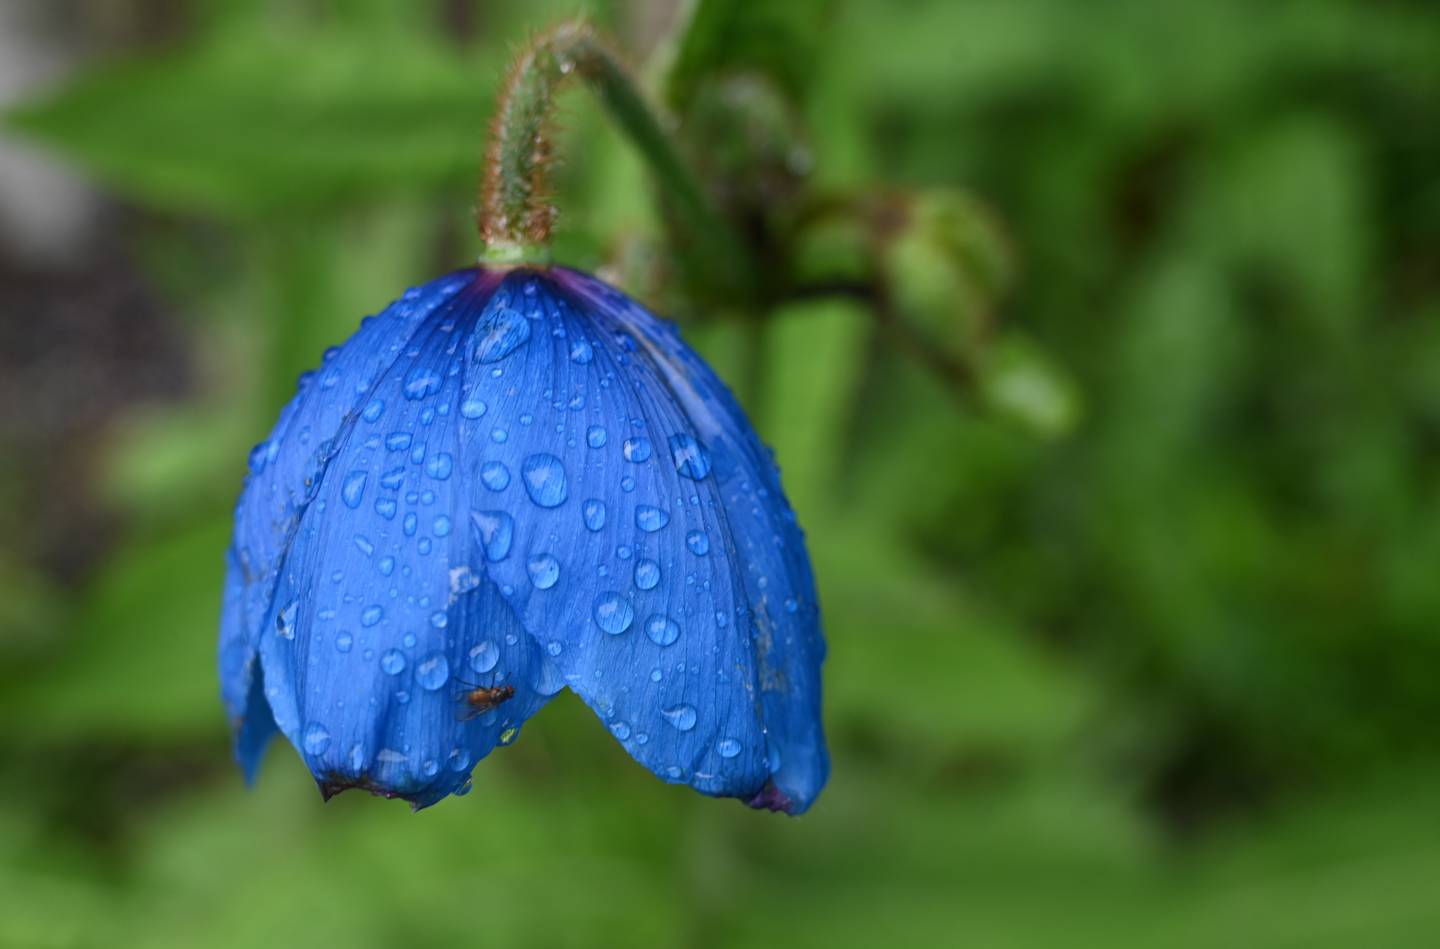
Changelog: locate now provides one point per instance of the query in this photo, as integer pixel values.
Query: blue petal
(522, 483)
(649, 548)
(285, 470)
(377, 618)
(763, 541)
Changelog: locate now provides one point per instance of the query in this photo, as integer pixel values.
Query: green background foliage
(1134, 630)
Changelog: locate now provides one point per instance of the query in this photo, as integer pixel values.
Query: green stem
(515, 213)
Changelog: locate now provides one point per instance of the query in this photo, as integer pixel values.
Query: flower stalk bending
(515, 215)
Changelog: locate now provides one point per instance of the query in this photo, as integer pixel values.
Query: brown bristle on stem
(515, 216)
(515, 206)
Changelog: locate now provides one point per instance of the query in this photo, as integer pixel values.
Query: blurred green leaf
(777, 40)
(169, 465)
(1291, 200)
(948, 269)
(30, 610)
(52, 898)
(814, 358)
(1167, 681)
(254, 123)
(141, 660)
(1020, 381)
(901, 639)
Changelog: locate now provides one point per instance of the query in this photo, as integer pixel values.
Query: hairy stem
(515, 214)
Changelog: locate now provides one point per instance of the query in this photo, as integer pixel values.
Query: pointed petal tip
(334, 784)
(249, 773)
(426, 799)
(249, 742)
(331, 783)
(772, 798)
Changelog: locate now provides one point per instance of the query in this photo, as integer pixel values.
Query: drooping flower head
(508, 483)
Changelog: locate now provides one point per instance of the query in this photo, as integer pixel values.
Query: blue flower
(506, 484)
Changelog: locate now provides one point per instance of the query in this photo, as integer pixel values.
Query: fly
(482, 699)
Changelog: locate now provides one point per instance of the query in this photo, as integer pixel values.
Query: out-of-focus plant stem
(879, 217)
(875, 293)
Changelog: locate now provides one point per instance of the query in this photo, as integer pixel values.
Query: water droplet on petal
(393, 662)
(440, 465)
(353, 490)
(544, 571)
(472, 408)
(662, 631)
(650, 519)
(462, 580)
(698, 542)
(594, 512)
(505, 331)
(691, 458)
(371, 616)
(494, 475)
(613, 613)
(728, 747)
(581, 352)
(544, 478)
(484, 656)
(317, 739)
(285, 620)
(432, 672)
(636, 449)
(422, 381)
(620, 730)
(343, 642)
(596, 437)
(496, 530)
(647, 574)
(374, 410)
(683, 717)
